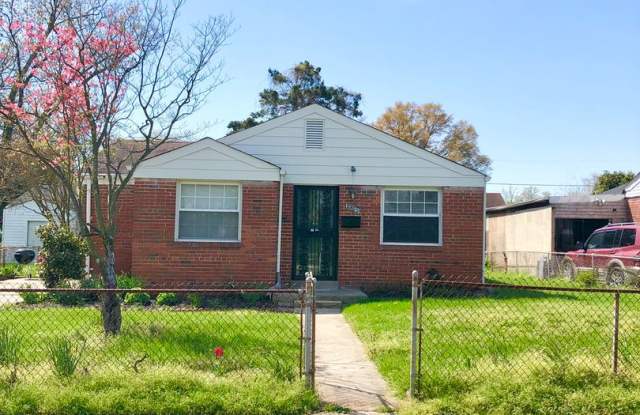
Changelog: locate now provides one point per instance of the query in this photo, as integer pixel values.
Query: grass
(507, 351)
(8, 271)
(162, 362)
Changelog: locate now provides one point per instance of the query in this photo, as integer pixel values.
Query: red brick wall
(634, 208)
(364, 263)
(158, 258)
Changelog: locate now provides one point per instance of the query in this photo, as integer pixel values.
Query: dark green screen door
(315, 232)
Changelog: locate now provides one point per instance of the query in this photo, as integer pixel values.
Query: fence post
(415, 282)
(614, 343)
(309, 329)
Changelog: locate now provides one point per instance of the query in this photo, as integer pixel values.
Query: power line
(539, 184)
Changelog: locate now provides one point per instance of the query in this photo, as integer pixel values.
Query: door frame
(293, 228)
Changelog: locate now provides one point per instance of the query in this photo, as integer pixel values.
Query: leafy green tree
(608, 180)
(296, 88)
(429, 126)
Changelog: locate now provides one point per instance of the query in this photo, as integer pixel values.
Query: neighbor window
(208, 212)
(411, 217)
(33, 239)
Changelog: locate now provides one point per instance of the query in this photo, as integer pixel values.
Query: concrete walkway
(13, 298)
(344, 374)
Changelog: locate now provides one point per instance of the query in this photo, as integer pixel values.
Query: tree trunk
(111, 314)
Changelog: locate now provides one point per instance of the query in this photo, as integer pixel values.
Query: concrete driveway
(13, 298)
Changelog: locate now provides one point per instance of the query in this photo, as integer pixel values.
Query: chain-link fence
(466, 333)
(48, 334)
(609, 269)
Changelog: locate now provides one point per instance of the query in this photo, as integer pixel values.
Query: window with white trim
(208, 212)
(411, 217)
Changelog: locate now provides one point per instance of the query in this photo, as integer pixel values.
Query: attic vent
(314, 133)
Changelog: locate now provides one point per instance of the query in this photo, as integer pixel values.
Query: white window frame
(178, 209)
(425, 215)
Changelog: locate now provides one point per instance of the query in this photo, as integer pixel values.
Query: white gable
(378, 158)
(633, 189)
(207, 159)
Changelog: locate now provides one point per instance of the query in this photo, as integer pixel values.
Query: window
(33, 240)
(628, 237)
(411, 217)
(314, 133)
(208, 212)
(597, 240)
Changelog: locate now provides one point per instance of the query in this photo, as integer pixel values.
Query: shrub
(587, 279)
(137, 298)
(63, 254)
(197, 300)
(67, 298)
(127, 281)
(33, 297)
(169, 299)
(90, 283)
(9, 348)
(8, 271)
(65, 356)
(29, 271)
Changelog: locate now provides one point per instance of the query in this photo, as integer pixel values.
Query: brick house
(311, 190)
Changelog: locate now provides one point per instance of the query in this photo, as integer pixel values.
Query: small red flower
(219, 352)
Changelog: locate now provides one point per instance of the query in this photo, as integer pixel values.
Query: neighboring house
(631, 192)
(20, 220)
(312, 190)
(495, 199)
(552, 224)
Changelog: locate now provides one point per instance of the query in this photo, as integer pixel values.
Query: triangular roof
(366, 129)
(193, 161)
(632, 188)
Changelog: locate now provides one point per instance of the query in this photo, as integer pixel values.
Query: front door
(315, 232)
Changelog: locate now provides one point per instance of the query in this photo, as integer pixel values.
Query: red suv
(614, 249)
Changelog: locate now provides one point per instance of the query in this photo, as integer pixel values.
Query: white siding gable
(207, 159)
(633, 190)
(378, 158)
(15, 223)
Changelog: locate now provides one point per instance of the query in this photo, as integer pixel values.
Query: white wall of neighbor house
(528, 230)
(348, 152)
(19, 225)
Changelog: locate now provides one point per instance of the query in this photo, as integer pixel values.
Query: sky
(552, 87)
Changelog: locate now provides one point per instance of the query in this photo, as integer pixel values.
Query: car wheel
(615, 276)
(568, 269)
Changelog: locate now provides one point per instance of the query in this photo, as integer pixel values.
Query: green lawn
(508, 352)
(162, 362)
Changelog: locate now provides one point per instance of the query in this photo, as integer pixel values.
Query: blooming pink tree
(104, 72)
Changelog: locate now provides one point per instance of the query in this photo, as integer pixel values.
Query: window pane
(208, 226)
(628, 237)
(417, 196)
(611, 239)
(202, 203)
(187, 202)
(188, 190)
(390, 195)
(217, 191)
(404, 207)
(217, 203)
(404, 196)
(417, 208)
(596, 241)
(431, 197)
(231, 191)
(390, 207)
(202, 190)
(431, 208)
(230, 203)
(411, 229)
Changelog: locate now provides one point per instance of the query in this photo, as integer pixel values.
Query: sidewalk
(344, 374)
